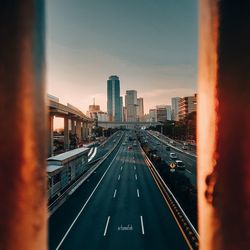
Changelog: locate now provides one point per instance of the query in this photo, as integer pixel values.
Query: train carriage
(64, 168)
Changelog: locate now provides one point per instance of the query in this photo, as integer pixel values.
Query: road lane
(189, 161)
(125, 221)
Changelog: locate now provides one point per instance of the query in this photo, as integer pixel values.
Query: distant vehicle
(180, 165)
(158, 143)
(173, 156)
(134, 144)
(167, 148)
(184, 147)
(156, 157)
(129, 147)
(123, 144)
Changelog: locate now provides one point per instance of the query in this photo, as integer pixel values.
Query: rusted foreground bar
(22, 126)
(224, 125)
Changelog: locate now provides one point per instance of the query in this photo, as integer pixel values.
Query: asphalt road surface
(118, 207)
(188, 160)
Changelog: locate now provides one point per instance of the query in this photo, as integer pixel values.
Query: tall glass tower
(113, 99)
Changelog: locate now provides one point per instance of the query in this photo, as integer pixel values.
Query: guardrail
(189, 232)
(72, 188)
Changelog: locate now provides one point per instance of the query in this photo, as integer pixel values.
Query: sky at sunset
(150, 45)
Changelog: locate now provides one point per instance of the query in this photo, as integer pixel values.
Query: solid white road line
(142, 226)
(106, 227)
(85, 204)
(90, 151)
(188, 171)
(134, 167)
(93, 155)
(138, 193)
(119, 177)
(136, 176)
(114, 194)
(121, 168)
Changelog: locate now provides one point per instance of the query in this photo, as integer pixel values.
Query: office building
(140, 109)
(163, 113)
(121, 107)
(114, 108)
(95, 113)
(131, 105)
(175, 108)
(187, 105)
(152, 115)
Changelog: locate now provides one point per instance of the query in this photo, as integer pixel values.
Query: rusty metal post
(23, 210)
(224, 125)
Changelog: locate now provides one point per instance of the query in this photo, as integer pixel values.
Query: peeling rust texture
(22, 126)
(232, 200)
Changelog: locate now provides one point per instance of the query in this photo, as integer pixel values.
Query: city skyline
(96, 40)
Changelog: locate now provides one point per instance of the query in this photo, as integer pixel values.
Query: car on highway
(129, 147)
(123, 144)
(134, 144)
(184, 147)
(173, 156)
(156, 157)
(180, 165)
(167, 148)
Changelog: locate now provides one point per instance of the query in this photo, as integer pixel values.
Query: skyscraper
(163, 113)
(175, 108)
(187, 105)
(140, 108)
(131, 105)
(152, 115)
(121, 107)
(113, 99)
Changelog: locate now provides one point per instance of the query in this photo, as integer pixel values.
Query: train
(64, 169)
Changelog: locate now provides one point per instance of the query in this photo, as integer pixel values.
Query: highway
(118, 207)
(97, 152)
(189, 160)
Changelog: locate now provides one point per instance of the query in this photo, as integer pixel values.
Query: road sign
(172, 165)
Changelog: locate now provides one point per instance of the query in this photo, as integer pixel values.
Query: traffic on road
(118, 207)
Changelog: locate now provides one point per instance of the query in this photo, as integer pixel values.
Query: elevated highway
(128, 125)
(81, 125)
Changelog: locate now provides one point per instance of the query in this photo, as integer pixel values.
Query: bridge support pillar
(50, 135)
(73, 127)
(78, 130)
(66, 133)
(84, 130)
(90, 129)
(82, 135)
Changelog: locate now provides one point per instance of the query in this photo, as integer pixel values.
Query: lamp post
(173, 130)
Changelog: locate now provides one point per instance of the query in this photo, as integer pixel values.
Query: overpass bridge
(81, 125)
(128, 125)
